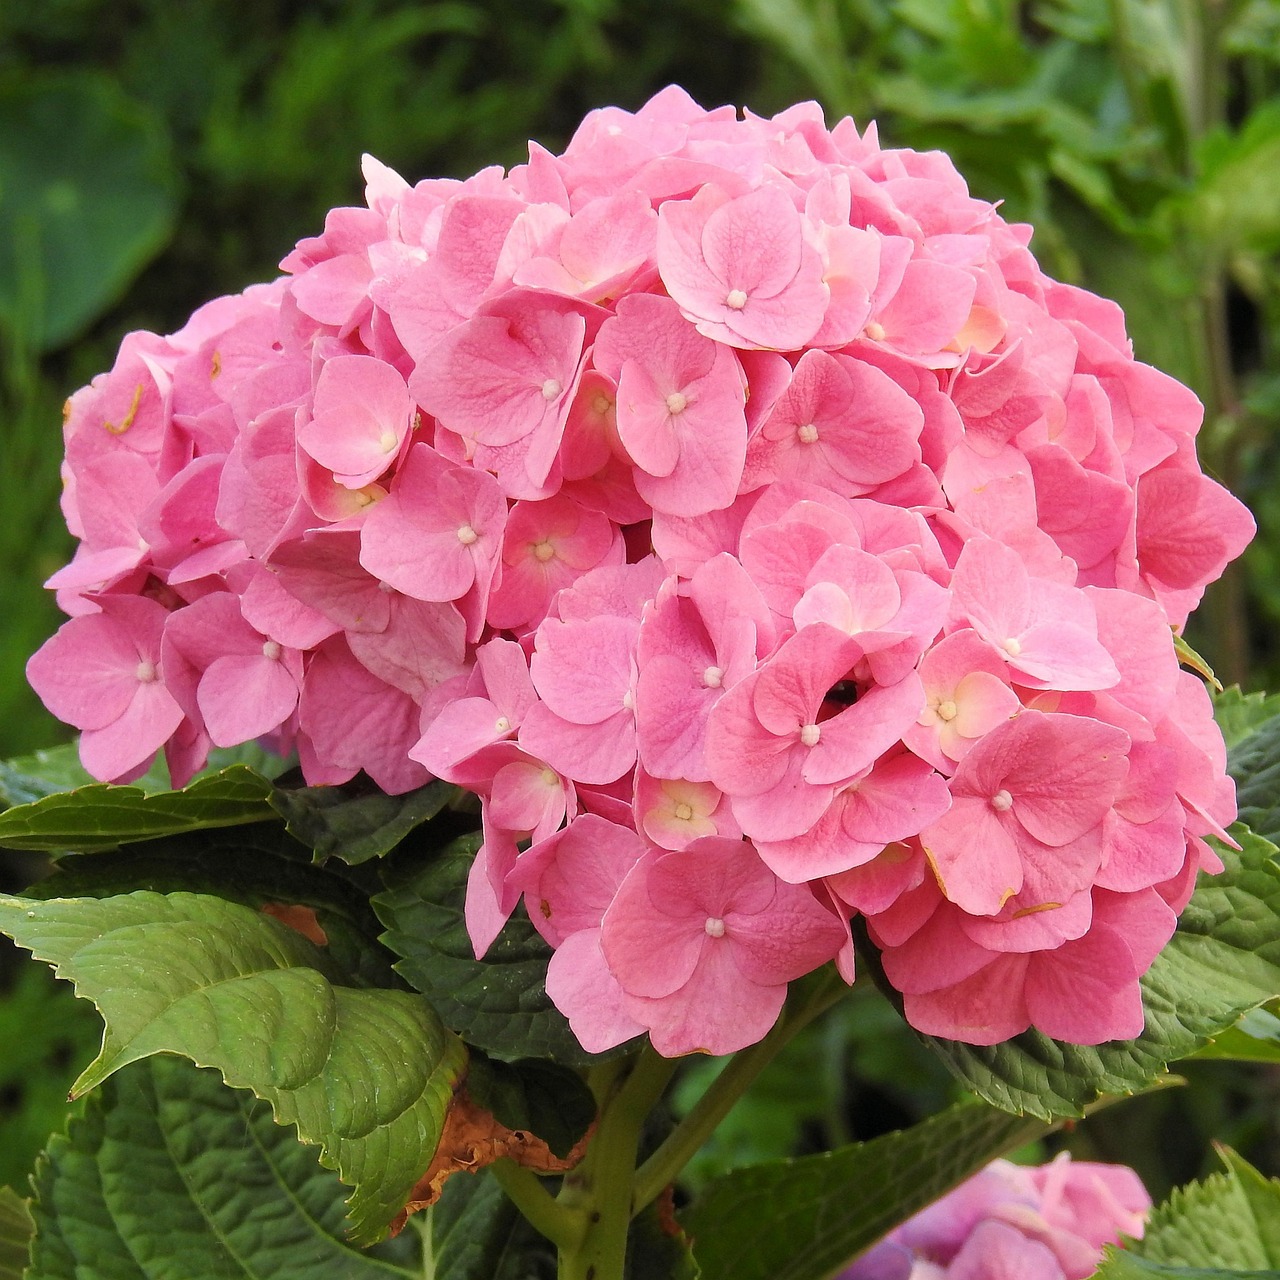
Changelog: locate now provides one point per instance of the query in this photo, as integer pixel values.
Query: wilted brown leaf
(473, 1138)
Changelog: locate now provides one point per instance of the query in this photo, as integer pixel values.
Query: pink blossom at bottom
(1011, 1222)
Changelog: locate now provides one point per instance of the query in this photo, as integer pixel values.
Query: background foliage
(154, 153)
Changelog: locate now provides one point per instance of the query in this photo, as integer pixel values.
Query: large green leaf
(499, 1003)
(16, 1227)
(169, 1173)
(366, 1074)
(1223, 960)
(801, 1219)
(258, 865)
(102, 816)
(1229, 1219)
(477, 1233)
(357, 823)
(87, 196)
(1255, 1038)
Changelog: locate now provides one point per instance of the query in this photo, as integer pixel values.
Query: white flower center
(387, 442)
(551, 388)
(714, 927)
(502, 725)
(1012, 647)
(736, 300)
(875, 332)
(146, 672)
(947, 710)
(467, 535)
(271, 650)
(1002, 801)
(628, 701)
(713, 677)
(676, 402)
(684, 811)
(809, 734)
(807, 434)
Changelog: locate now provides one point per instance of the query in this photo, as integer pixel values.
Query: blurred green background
(154, 153)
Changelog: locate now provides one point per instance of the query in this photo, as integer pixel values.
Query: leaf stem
(724, 1091)
(562, 1224)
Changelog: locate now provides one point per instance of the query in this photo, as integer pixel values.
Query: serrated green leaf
(254, 865)
(1229, 1220)
(366, 1074)
(477, 1233)
(1240, 714)
(354, 823)
(801, 1219)
(544, 1098)
(16, 1227)
(169, 1166)
(1254, 763)
(499, 1004)
(1118, 1264)
(102, 816)
(1223, 959)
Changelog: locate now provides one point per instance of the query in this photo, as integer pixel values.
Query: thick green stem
(563, 1225)
(600, 1189)
(688, 1136)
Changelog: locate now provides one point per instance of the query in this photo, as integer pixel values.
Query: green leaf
(499, 1003)
(16, 1227)
(1229, 1220)
(45, 773)
(102, 816)
(1255, 1038)
(541, 1097)
(255, 865)
(1240, 714)
(87, 198)
(356, 823)
(1223, 959)
(367, 1075)
(800, 1219)
(1254, 763)
(168, 1172)
(1118, 1264)
(477, 1233)
(1188, 657)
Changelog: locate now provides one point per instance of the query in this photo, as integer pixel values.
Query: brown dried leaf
(301, 919)
(473, 1138)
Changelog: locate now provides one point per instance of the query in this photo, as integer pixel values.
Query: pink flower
(1014, 1222)
(703, 943)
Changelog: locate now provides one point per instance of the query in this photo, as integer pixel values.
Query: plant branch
(563, 1225)
(724, 1091)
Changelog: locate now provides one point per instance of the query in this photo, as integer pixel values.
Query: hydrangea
(1012, 1222)
(739, 512)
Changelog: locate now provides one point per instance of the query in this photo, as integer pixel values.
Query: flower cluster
(738, 511)
(1045, 1223)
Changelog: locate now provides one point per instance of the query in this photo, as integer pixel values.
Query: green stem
(724, 1091)
(563, 1225)
(600, 1189)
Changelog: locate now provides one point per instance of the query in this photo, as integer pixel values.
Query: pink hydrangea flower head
(737, 510)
